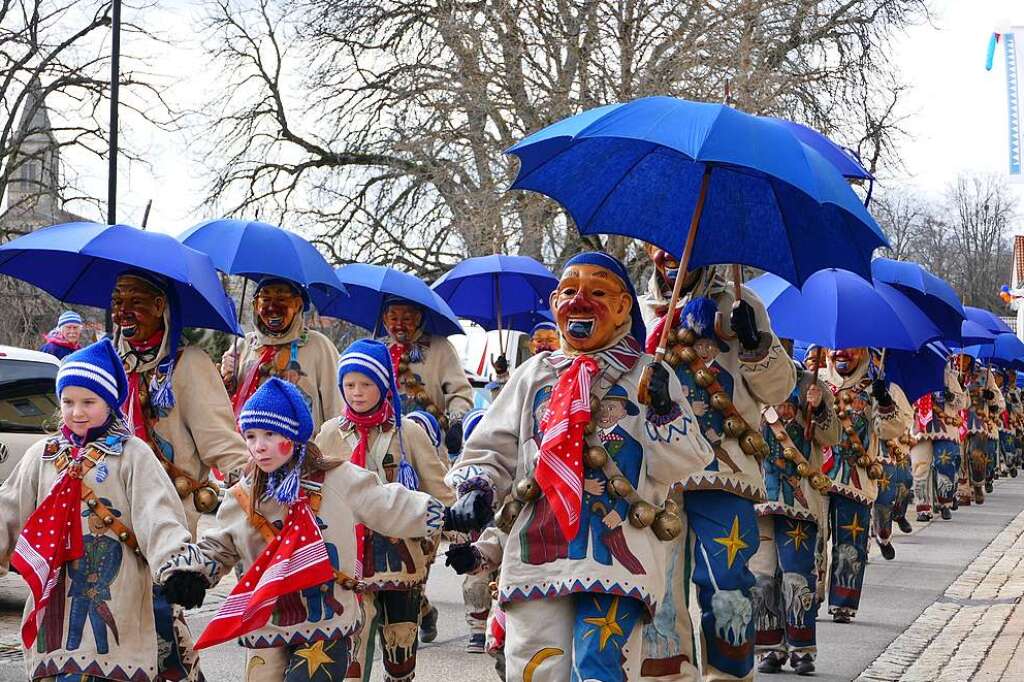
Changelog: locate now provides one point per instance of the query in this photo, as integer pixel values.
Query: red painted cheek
(285, 447)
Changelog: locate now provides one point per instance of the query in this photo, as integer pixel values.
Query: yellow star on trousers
(854, 527)
(606, 626)
(884, 481)
(732, 542)
(315, 657)
(945, 458)
(798, 535)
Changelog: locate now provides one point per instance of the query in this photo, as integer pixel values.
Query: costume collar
(108, 439)
(296, 331)
(621, 354)
(143, 360)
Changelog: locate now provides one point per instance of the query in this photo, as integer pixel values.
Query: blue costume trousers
(848, 521)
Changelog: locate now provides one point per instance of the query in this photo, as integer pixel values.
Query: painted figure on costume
(91, 578)
(981, 432)
(935, 456)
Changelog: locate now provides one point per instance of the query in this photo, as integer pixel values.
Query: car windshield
(27, 395)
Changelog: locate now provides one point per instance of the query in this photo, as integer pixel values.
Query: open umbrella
(918, 372)
(988, 321)
(1006, 350)
(972, 333)
(490, 289)
(80, 262)
(370, 287)
(837, 309)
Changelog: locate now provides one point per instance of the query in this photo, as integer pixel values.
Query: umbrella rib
(619, 182)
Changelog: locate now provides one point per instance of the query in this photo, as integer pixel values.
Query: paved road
(963, 578)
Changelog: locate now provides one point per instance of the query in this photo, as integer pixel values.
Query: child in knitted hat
(88, 541)
(372, 434)
(288, 523)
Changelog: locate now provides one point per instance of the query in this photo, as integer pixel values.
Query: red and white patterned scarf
(364, 423)
(296, 559)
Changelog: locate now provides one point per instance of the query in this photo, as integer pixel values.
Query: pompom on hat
(96, 367)
(470, 421)
(277, 406)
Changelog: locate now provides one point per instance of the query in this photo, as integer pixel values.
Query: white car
(28, 402)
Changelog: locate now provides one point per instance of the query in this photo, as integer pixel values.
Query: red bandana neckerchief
(251, 380)
(560, 466)
(925, 413)
(397, 350)
(384, 413)
(132, 407)
(296, 559)
(52, 537)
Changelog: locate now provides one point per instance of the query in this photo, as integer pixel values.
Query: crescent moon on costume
(538, 658)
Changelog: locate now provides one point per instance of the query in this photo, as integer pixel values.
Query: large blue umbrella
(987, 320)
(371, 287)
(837, 309)
(80, 262)
(750, 191)
(843, 158)
(972, 333)
(932, 294)
(490, 289)
(254, 250)
(1006, 350)
(525, 322)
(920, 372)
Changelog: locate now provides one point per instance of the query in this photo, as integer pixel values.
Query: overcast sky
(956, 110)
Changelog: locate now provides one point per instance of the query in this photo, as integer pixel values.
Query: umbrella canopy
(750, 190)
(80, 262)
(254, 250)
(523, 322)
(932, 294)
(490, 289)
(837, 309)
(972, 333)
(920, 372)
(988, 321)
(1005, 350)
(370, 287)
(845, 161)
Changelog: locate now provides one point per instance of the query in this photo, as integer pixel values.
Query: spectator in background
(63, 339)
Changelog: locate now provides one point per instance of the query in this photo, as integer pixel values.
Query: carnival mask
(402, 320)
(137, 308)
(847, 360)
(276, 306)
(544, 339)
(590, 304)
(667, 267)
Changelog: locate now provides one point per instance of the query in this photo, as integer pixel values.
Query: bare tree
(904, 216)
(379, 126)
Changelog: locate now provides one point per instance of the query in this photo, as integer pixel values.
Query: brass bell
(704, 377)
(688, 336)
(688, 354)
(138, 551)
(123, 536)
(641, 514)
(527, 490)
(734, 426)
(182, 485)
(790, 453)
(405, 358)
(720, 401)
(672, 358)
(108, 520)
(761, 445)
(863, 461)
(667, 525)
(803, 469)
(875, 471)
(324, 587)
(507, 515)
(673, 335)
(620, 486)
(403, 367)
(821, 483)
(595, 457)
(671, 506)
(205, 499)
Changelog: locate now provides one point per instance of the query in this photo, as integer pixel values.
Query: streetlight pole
(115, 87)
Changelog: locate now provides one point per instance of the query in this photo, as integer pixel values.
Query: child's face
(81, 410)
(360, 393)
(268, 449)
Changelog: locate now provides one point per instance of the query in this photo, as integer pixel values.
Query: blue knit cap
(543, 325)
(430, 425)
(299, 289)
(371, 359)
(469, 422)
(69, 317)
(637, 329)
(279, 407)
(98, 368)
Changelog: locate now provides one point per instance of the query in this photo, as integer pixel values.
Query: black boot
(802, 665)
(771, 663)
(841, 615)
(888, 551)
(924, 517)
(946, 514)
(988, 486)
(428, 625)
(905, 525)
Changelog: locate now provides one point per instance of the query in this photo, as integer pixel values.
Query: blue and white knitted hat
(279, 407)
(430, 425)
(372, 359)
(542, 326)
(469, 422)
(69, 317)
(98, 368)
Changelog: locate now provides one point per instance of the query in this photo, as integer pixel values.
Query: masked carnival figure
(935, 456)
(730, 365)
(1015, 419)
(870, 411)
(1006, 445)
(588, 521)
(284, 346)
(981, 430)
(785, 564)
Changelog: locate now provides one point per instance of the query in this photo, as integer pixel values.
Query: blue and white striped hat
(469, 422)
(69, 317)
(98, 368)
(279, 407)
(372, 359)
(429, 424)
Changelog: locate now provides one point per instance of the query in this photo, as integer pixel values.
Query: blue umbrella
(80, 262)
(371, 287)
(972, 333)
(844, 159)
(837, 309)
(1006, 350)
(254, 250)
(920, 372)
(490, 289)
(988, 321)
(525, 322)
(932, 294)
(750, 191)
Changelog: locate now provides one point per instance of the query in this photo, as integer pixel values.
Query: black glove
(453, 437)
(988, 395)
(657, 390)
(500, 364)
(744, 324)
(880, 393)
(948, 396)
(471, 512)
(462, 557)
(186, 589)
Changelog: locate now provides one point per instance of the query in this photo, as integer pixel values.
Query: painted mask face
(402, 320)
(811, 359)
(137, 308)
(847, 360)
(590, 304)
(1000, 379)
(786, 411)
(268, 449)
(544, 339)
(276, 306)
(667, 267)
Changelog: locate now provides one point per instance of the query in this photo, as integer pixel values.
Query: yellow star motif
(315, 657)
(733, 542)
(884, 481)
(854, 527)
(945, 458)
(606, 626)
(798, 535)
